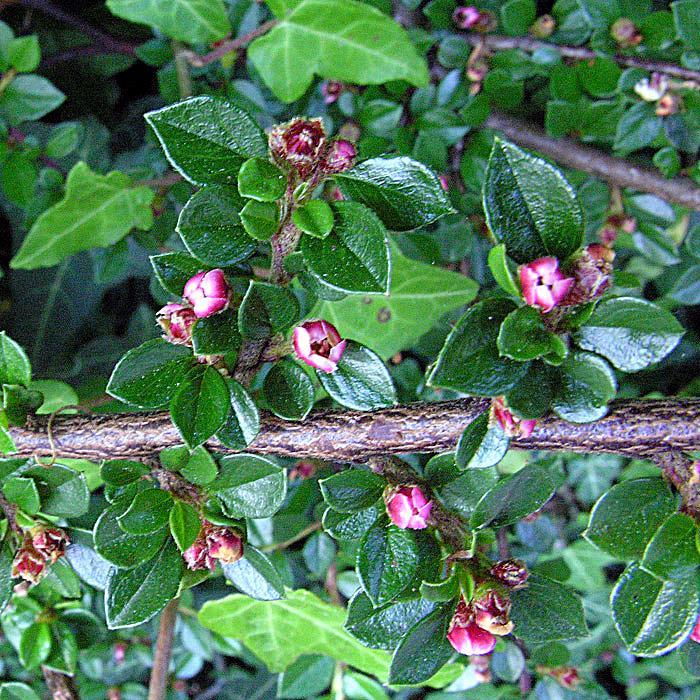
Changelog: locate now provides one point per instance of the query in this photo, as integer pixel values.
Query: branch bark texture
(616, 171)
(60, 686)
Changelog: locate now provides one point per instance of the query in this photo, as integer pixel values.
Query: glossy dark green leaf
(469, 361)
(63, 491)
(173, 270)
(442, 591)
(673, 550)
(134, 596)
(514, 497)
(260, 219)
(255, 575)
(546, 611)
(200, 467)
(14, 363)
(355, 256)
(481, 444)
(267, 309)
(18, 403)
(6, 581)
(530, 206)
(637, 128)
(349, 526)
(587, 385)
(288, 391)
(314, 218)
(34, 645)
(249, 486)
(624, 519)
(216, 335)
(523, 337)
(210, 227)
(261, 180)
(360, 381)
(405, 194)
(120, 472)
(148, 512)
(200, 406)
(64, 649)
(148, 376)
(22, 492)
(184, 524)
(207, 139)
(243, 421)
(502, 270)
(532, 396)
(631, 333)
(352, 490)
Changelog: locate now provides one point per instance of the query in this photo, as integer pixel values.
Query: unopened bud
(592, 272)
(339, 157)
(543, 27)
(567, 676)
(176, 320)
(510, 572)
(466, 16)
(331, 90)
(299, 144)
(669, 104)
(624, 31)
(208, 292)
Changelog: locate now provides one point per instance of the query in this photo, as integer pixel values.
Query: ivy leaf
(288, 391)
(631, 333)
(354, 257)
(29, 98)
(405, 193)
(95, 212)
(191, 21)
(207, 139)
(335, 39)
(530, 206)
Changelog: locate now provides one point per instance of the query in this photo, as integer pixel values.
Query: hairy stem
(227, 47)
(158, 687)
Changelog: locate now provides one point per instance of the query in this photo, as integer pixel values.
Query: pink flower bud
(492, 613)
(119, 652)
(196, 555)
(337, 195)
(224, 545)
(114, 693)
(512, 425)
(466, 17)
(544, 284)
(318, 344)
(303, 470)
(695, 634)
(50, 543)
(176, 320)
(208, 292)
(466, 636)
(607, 235)
(444, 182)
(567, 676)
(624, 31)
(28, 564)
(299, 144)
(409, 509)
(339, 157)
(331, 90)
(592, 274)
(510, 572)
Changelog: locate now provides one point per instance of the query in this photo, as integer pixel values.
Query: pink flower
(208, 292)
(409, 509)
(50, 543)
(492, 613)
(466, 17)
(512, 425)
(195, 556)
(119, 652)
(444, 183)
(298, 143)
(303, 470)
(543, 283)
(695, 634)
(339, 156)
(471, 639)
(510, 572)
(318, 344)
(567, 676)
(224, 545)
(28, 564)
(331, 90)
(176, 320)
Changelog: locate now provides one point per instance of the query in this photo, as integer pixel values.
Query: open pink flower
(695, 634)
(543, 283)
(318, 344)
(466, 17)
(512, 425)
(208, 292)
(409, 509)
(176, 320)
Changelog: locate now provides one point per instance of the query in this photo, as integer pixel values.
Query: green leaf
(206, 139)
(469, 361)
(530, 206)
(508, 664)
(174, 269)
(587, 385)
(200, 406)
(148, 376)
(267, 309)
(23, 493)
(631, 333)
(672, 550)
(405, 193)
(514, 497)
(64, 651)
(250, 486)
(260, 219)
(24, 53)
(545, 612)
(63, 491)
(95, 212)
(255, 575)
(517, 16)
(686, 17)
(418, 295)
(352, 490)
(654, 615)
(134, 596)
(638, 127)
(307, 677)
(442, 591)
(502, 271)
(17, 691)
(14, 363)
(355, 256)
(184, 524)
(334, 39)
(6, 581)
(349, 526)
(624, 519)
(191, 21)
(261, 180)
(148, 512)
(424, 650)
(243, 421)
(481, 444)
(314, 218)
(29, 98)
(34, 645)
(210, 227)
(200, 467)
(216, 335)
(523, 336)
(360, 381)
(120, 472)
(532, 396)
(288, 391)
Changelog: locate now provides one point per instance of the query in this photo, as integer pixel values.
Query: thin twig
(158, 687)
(616, 171)
(60, 686)
(182, 68)
(301, 535)
(527, 43)
(161, 183)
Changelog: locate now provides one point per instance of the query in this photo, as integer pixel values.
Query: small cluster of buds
(543, 27)
(624, 31)
(408, 507)
(318, 344)
(205, 294)
(615, 224)
(42, 546)
(213, 544)
(476, 624)
(469, 17)
(544, 285)
(331, 91)
(512, 425)
(302, 145)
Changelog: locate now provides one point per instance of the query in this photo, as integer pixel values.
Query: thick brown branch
(638, 428)
(527, 43)
(60, 686)
(616, 171)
